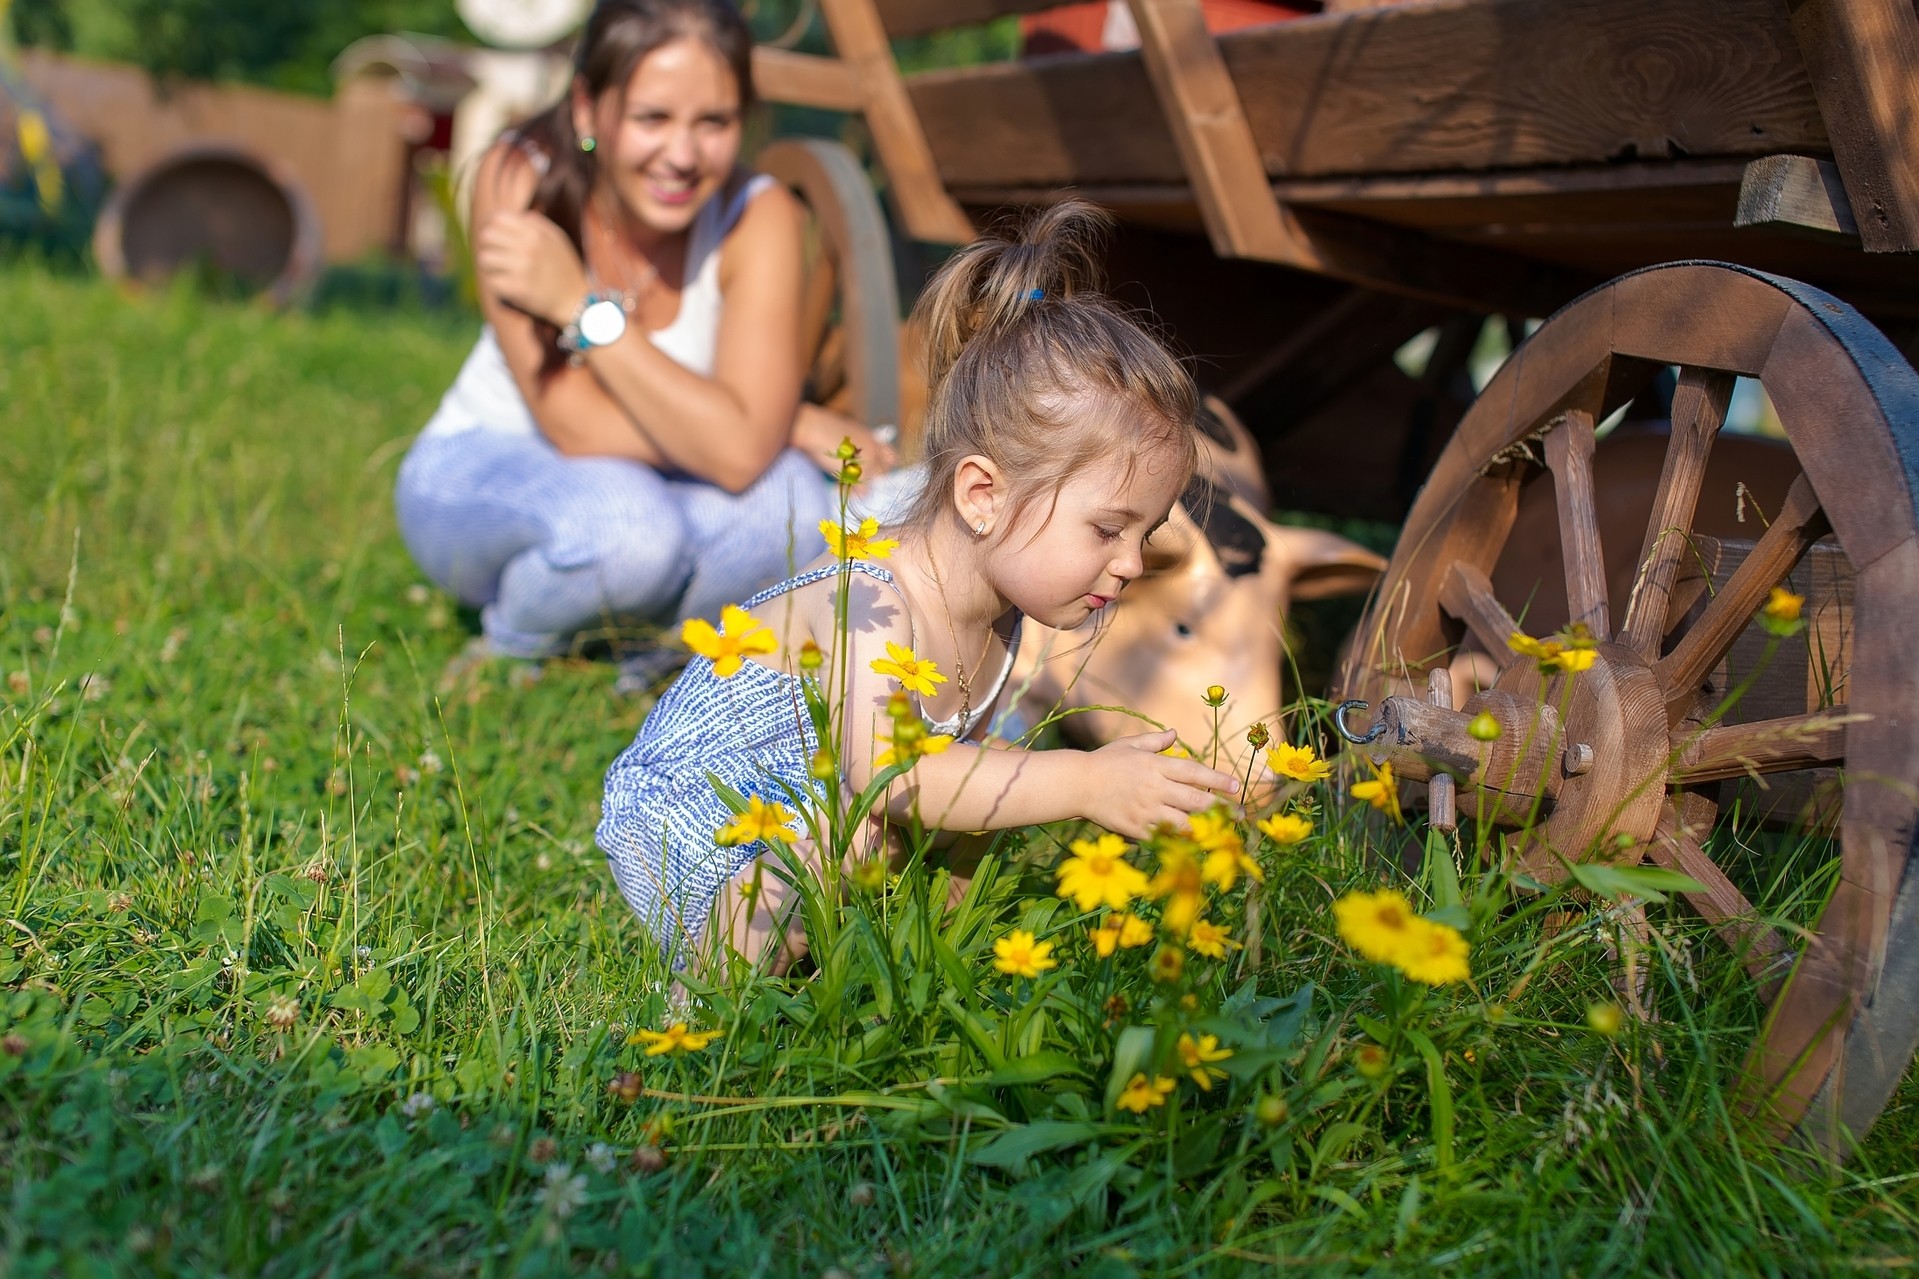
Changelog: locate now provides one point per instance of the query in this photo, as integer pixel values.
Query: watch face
(603, 322)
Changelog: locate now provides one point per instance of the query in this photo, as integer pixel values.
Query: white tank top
(484, 397)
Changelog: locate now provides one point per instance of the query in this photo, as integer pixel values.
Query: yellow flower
(1780, 613)
(760, 821)
(860, 543)
(674, 1039)
(740, 633)
(1382, 792)
(1134, 932)
(1209, 939)
(1105, 938)
(1019, 955)
(1181, 883)
(1168, 963)
(1286, 828)
(1098, 874)
(909, 670)
(1196, 1055)
(1573, 650)
(1377, 925)
(1218, 834)
(1301, 763)
(902, 747)
(1434, 954)
(1142, 1094)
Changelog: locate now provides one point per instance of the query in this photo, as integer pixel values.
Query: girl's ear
(979, 493)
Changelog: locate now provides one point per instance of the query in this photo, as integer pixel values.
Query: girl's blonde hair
(1028, 364)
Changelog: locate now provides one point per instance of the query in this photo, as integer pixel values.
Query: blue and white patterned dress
(750, 730)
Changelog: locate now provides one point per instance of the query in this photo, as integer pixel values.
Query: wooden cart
(1299, 199)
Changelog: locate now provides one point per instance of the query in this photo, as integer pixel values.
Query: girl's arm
(1126, 786)
(631, 399)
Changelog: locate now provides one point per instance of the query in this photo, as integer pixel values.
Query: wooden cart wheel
(851, 321)
(1626, 761)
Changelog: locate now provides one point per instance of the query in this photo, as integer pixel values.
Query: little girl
(1058, 436)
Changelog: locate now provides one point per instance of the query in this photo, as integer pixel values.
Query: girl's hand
(1132, 788)
(525, 260)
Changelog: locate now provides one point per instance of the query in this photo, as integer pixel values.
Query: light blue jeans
(547, 546)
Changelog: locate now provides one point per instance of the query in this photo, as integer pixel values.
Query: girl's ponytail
(986, 288)
(1019, 341)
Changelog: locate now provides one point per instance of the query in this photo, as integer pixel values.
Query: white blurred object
(887, 498)
(522, 24)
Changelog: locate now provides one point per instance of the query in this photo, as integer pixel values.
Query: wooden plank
(1438, 86)
(1468, 595)
(1706, 641)
(928, 211)
(1569, 456)
(1216, 147)
(1863, 60)
(1816, 740)
(804, 80)
(1676, 845)
(1794, 190)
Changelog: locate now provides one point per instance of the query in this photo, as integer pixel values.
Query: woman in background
(625, 441)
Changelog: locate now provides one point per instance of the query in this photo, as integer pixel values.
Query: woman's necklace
(615, 250)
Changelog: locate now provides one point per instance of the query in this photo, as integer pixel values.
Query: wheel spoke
(1783, 745)
(1698, 408)
(1569, 455)
(1680, 673)
(1468, 595)
(1675, 845)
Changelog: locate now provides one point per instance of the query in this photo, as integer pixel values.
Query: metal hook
(1339, 721)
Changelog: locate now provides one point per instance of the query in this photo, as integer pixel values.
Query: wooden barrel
(216, 208)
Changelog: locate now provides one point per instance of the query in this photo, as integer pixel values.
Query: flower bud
(1371, 1061)
(810, 656)
(625, 1087)
(908, 730)
(898, 707)
(1258, 735)
(847, 450)
(1484, 727)
(870, 875)
(1605, 1018)
(821, 766)
(1270, 1110)
(862, 1194)
(1215, 695)
(850, 474)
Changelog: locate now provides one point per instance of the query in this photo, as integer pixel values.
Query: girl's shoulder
(806, 608)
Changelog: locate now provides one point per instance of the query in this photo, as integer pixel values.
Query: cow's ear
(1322, 565)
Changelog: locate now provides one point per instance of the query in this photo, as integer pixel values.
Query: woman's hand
(817, 432)
(1132, 788)
(527, 261)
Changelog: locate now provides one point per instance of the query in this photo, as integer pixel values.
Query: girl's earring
(587, 144)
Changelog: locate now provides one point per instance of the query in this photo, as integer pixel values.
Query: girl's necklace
(959, 664)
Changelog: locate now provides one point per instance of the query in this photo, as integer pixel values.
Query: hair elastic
(1036, 295)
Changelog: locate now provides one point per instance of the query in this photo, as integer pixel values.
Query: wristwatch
(599, 322)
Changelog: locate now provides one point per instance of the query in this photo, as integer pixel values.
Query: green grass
(226, 781)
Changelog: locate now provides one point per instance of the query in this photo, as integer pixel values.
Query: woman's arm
(570, 407)
(727, 428)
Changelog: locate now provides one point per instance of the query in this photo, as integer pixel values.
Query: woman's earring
(587, 144)
(979, 529)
